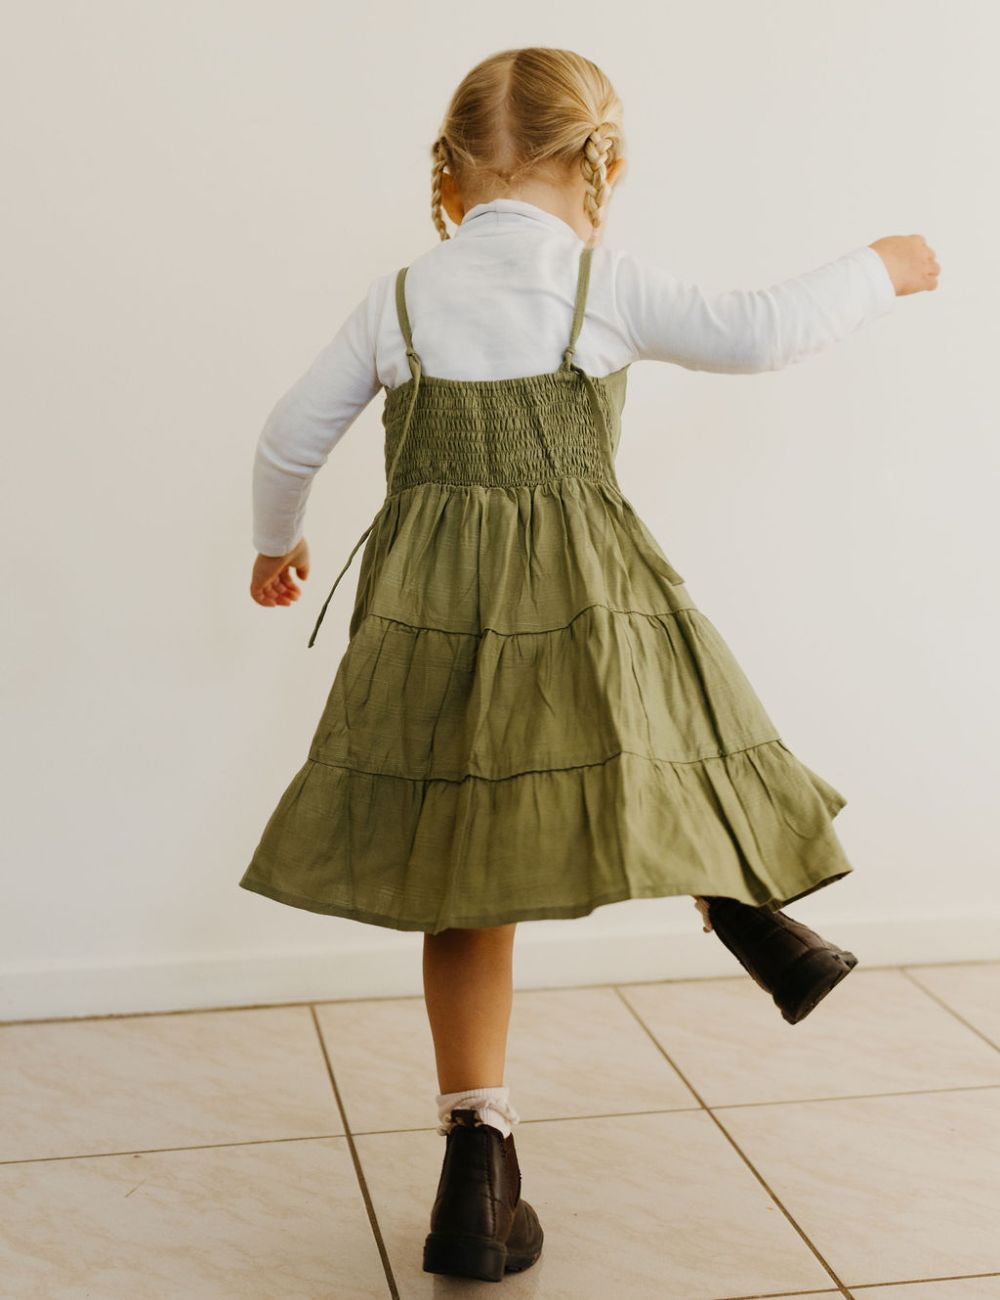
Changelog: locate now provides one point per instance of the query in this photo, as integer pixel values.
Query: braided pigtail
(439, 154)
(594, 163)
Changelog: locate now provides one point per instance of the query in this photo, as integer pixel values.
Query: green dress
(531, 717)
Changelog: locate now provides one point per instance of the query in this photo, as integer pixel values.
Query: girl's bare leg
(469, 991)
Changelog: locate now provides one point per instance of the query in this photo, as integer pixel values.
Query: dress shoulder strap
(404, 319)
(582, 283)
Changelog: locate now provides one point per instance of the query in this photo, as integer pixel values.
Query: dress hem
(512, 915)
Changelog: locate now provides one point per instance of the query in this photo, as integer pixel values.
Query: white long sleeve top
(496, 301)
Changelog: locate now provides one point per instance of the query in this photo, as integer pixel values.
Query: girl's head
(530, 122)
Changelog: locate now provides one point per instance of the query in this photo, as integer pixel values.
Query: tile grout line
(782, 1295)
(544, 1119)
(161, 1151)
(856, 1096)
(413, 997)
(862, 1286)
(358, 1169)
(935, 997)
(921, 1281)
(735, 1145)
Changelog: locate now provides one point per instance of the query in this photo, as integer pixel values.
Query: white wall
(198, 192)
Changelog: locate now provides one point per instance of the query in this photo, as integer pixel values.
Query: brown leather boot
(787, 959)
(480, 1226)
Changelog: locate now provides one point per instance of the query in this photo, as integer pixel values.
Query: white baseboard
(378, 969)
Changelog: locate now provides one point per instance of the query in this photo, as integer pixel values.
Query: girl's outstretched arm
(745, 331)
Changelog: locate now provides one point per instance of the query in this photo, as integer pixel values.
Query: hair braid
(439, 154)
(594, 161)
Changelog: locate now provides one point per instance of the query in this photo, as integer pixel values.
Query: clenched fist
(910, 262)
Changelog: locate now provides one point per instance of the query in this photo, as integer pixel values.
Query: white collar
(508, 210)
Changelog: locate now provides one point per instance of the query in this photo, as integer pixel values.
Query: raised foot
(804, 985)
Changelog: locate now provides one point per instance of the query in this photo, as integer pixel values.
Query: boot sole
(484, 1257)
(810, 979)
(477, 1257)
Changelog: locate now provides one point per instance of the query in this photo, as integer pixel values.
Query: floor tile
(637, 1207)
(382, 1055)
(275, 1219)
(874, 1032)
(972, 990)
(888, 1188)
(891, 1189)
(571, 1052)
(73, 1088)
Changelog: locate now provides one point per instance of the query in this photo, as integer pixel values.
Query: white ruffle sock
(492, 1105)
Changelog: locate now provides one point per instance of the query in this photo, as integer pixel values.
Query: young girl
(532, 718)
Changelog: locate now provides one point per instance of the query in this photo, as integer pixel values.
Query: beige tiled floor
(679, 1141)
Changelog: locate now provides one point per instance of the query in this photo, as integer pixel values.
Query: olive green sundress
(531, 717)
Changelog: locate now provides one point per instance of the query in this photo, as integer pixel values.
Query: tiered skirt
(532, 719)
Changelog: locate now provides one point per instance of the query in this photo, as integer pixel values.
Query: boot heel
(466, 1256)
(809, 980)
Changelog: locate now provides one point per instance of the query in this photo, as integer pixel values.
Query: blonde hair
(527, 110)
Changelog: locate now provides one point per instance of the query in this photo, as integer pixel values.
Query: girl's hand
(911, 264)
(272, 582)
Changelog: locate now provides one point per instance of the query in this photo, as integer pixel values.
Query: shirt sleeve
(743, 331)
(306, 424)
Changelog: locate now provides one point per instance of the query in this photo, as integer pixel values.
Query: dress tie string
(595, 402)
(415, 372)
(341, 574)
